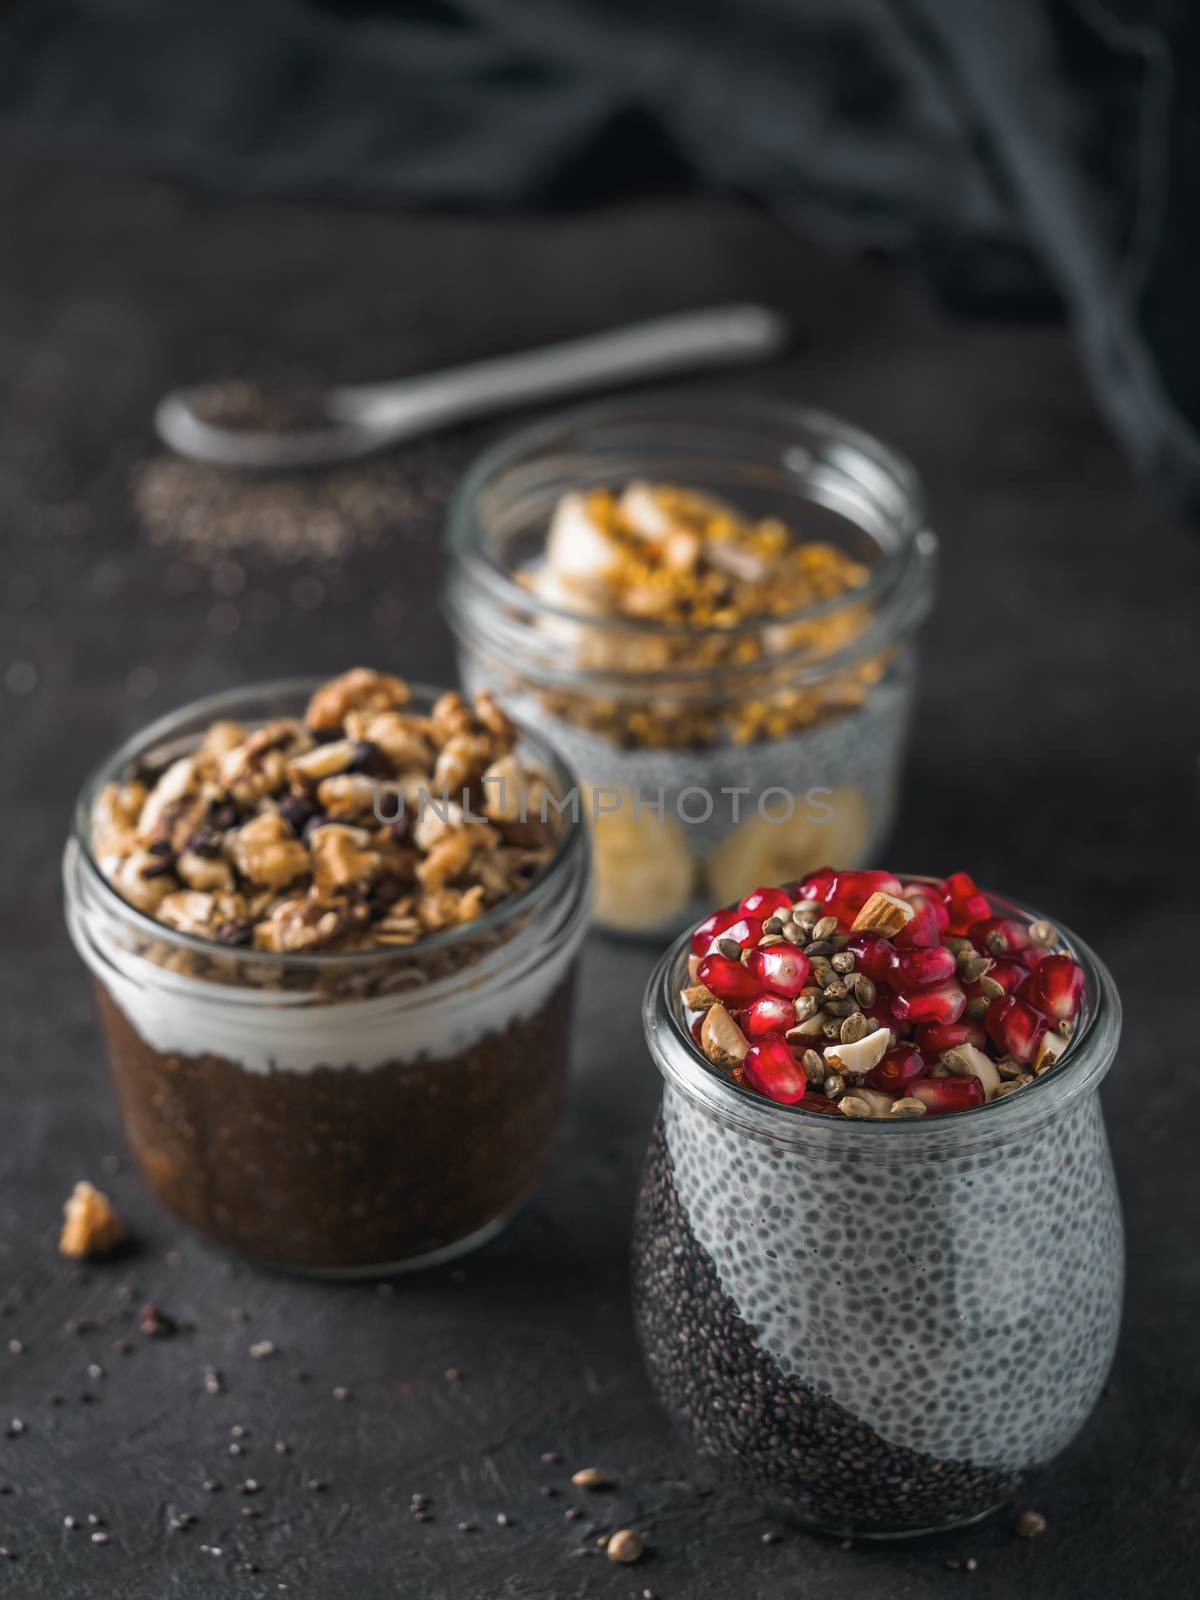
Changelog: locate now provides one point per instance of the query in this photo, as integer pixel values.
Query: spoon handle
(719, 336)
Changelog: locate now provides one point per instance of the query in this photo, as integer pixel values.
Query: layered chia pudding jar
(710, 609)
(336, 1011)
(878, 1324)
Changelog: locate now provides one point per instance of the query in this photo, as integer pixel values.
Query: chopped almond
(884, 913)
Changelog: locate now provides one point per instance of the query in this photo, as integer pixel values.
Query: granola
(363, 825)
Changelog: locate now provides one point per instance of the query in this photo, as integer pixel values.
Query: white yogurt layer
(276, 1031)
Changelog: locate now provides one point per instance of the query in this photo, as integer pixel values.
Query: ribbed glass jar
(878, 1326)
(355, 1112)
(710, 758)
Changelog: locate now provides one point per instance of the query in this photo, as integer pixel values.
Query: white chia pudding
(878, 1328)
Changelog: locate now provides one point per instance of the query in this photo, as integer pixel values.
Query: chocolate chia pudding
(712, 614)
(336, 999)
(877, 1324)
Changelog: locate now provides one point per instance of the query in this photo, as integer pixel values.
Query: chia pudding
(711, 613)
(333, 931)
(877, 1323)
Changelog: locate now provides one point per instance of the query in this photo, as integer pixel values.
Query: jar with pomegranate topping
(337, 1017)
(879, 1325)
(710, 609)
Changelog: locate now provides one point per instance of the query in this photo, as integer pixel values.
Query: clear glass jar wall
(335, 1112)
(709, 759)
(878, 1326)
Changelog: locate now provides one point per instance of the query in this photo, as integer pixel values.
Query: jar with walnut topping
(710, 608)
(333, 930)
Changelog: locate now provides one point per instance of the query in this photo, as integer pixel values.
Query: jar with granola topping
(333, 930)
(709, 608)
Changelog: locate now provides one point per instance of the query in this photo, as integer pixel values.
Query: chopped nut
(860, 1056)
(865, 1103)
(210, 873)
(322, 761)
(360, 689)
(342, 855)
(91, 1226)
(1049, 1047)
(722, 1041)
(884, 913)
(967, 1060)
(268, 852)
(907, 1107)
(697, 998)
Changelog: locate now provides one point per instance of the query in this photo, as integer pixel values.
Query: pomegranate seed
(781, 968)
(697, 1024)
(944, 1002)
(1008, 974)
(902, 1065)
(922, 894)
(999, 931)
(920, 967)
(729, 980)
(939, 1095)
(710, 930)
(1056, 987)
(883, 1016)
(819, 1102)
(849, 892)
(765, 902)
(924, 929)
(814, 886)
(934, 1037)
(770, 1013)
(1014, 1027)
(745, 931)
(873, 955)
(774, 1071)
(964, 902)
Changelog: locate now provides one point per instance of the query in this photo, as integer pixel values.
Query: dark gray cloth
(1026, 154)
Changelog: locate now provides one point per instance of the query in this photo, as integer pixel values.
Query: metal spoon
(363, 418)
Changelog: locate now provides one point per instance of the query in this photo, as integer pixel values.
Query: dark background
(1054, 755)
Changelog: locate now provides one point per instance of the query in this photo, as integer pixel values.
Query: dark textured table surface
(1054, 754)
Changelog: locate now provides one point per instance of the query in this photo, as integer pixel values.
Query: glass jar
(336, 1112)
(877, 1326)
(719, 757)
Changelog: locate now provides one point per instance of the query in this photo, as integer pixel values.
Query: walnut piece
(342, 856)
(267, 851)
(360, 689)
(91, 1226)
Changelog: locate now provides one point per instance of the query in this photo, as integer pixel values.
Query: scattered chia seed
(15, 1347)
(15, 1428)
(282, 1448)
(100, 1537)
(1029, 1524)
(250, 1486)
(503, 1520)
(155, 1323)
(212, 1485)
(453, 1374)
(468, 1527)
(262, 1350)
(341, 1392)
(70, 1521)
(551, 1457)
(212, 1381)
(315, 1484)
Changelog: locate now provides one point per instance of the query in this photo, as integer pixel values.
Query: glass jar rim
(1083, 1065)
(911, 536)
(571, 842)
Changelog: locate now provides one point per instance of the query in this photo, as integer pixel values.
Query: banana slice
(761, 851)
(644, 869)
(579, 551)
